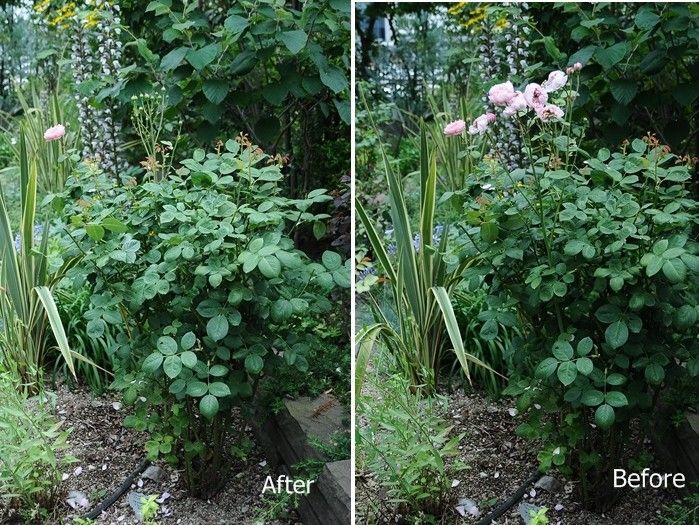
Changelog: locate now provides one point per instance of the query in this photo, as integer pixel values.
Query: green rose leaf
(608, 313)
(616, 334)
(489, 330)
(281, 310)
(189, 359)
(196, 388)
(270, 267)
(616, 379)
(616, 399)
(188, 340)
(218, 371)
(592, 398)
(584, 346)
(167, 345)
(604, 416)
(177, 386)
(254, 364)
(562, 350)
(584, 366)
(152, 362)
(546, 368)
(219, 389)
(674, 270)
(172, 366)
(208, 406)
(655, 373)
(331, 260)
(217, 327)
(567, 372)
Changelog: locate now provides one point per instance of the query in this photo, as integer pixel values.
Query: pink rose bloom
(481, 124)
(500, 94)
(516, 103)
(574, 68)
(54, 133)
(556, 80)
(535, 95)
(454, 128)
(549, 111)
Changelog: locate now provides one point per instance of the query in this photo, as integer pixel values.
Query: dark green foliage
(278, 72)
(640, 69)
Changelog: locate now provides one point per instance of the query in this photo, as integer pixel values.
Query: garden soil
(498, 463)
(107, 453)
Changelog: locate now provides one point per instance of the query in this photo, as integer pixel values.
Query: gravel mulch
(107, 453)
(498, 463)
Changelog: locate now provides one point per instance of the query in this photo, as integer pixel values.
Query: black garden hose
(109, 500)
(505, 506)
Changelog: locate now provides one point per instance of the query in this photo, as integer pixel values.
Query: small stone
(549, 484)
(527, 510)
(468, 507)
(116, 405)
(78, 471)
(153, 472)
(135, 500)
(455, 483)
(77, 500)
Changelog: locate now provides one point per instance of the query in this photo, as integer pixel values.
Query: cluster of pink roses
(535, 96)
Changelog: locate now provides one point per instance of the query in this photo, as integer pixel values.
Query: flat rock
(153, 472)
(135, 500)
(468, 507)
(527, 510)
(78, 500)
(549, 484)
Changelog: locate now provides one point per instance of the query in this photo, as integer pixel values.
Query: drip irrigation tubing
(509, 502)
(109, 500)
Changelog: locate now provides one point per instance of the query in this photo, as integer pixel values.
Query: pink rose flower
(54, 133)
(556, 80)
(454, 128)
(535, 95)
(549, 111)
(516, 103)
(574, 68)
(480, 125)
(500, 94)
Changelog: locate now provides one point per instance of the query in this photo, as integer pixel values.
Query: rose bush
(200, 274)
(599, 252)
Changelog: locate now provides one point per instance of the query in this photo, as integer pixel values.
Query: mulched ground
(107, 453)
(499, 462)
